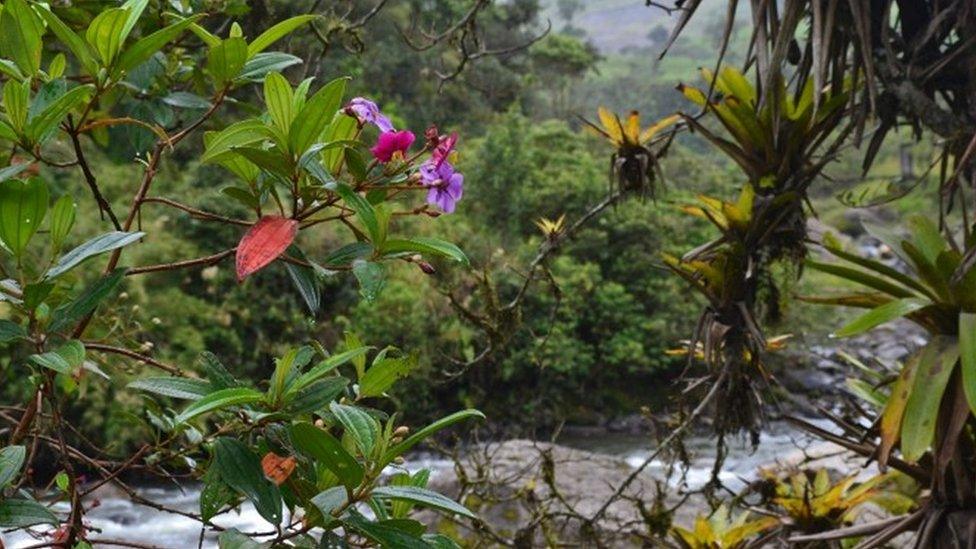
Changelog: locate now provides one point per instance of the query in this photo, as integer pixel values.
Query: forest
(691, 274)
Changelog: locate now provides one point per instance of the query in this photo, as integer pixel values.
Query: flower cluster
(445, 185)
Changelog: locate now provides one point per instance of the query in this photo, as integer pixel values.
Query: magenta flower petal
(391, 143)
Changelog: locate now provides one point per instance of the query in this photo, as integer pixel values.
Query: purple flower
(392, 145)
(446, 185)
(366, 111)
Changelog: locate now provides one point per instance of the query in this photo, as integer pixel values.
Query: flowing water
(119, 519)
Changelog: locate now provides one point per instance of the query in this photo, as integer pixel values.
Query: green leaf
(967, 355)
(862, 278)
(81, 50)
(135, 8)
(86, 302)
(316, 115)
(62, 219)
(359, 425)
(234, 539)
(307, 283)
(144, 48)
(935, 366)
(422, 497)
(927, 237)
(13, 171)
(325, 367)
(880, 315)
(227, 59)
(239, 134)
(98, 245)
(106, 33)
(423, 245)
(21, 513)
(20, 35)
(384, 373)
(11, 460)
(16, 101)
(261, 64)
(276, 33)
(215, 495)
(349, 253)
(187, 100)
(10, 331)
(388, 533)
(279, 97)
(241, 469)
(286, 368)
(330, 500)
(215, 372)
(23, 205)
(219, 400)
(371, 277)
(326, 450)
(62, 360)
(316, 396)
(43, 126)
(175, 387)
(428, 431)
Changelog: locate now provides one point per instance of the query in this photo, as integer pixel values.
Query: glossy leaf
(263, 243)
(326, 450)
(63, 360)
(219, 400)
(23, 205)
(278, 97)
(240, 134)
(175, 387)
(316, 396)
(20, 35)
(277, 32)
(967, 356)
(227, 59)
(325, 367)
(105, 33)
(880, 315)
(424, 245)
(21, 513)
(240, 468)
(330, 499)
(144, 48)
(86, 302)
(62, 219)
(316, 115)
(364, 211)
(98, 245)
(359, 425)
(422, 497)
(371, 277)
(428, 431)
(935, 366)
(42, 126)
(11, 460)
(261, 64)
(10, 331)
(235, 539)
(83, 52)
(386, 533)
(384, 373)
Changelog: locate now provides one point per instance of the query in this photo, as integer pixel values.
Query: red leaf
(263, 243)
(277, 468)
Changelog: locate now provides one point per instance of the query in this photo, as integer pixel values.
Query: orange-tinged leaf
(611, 124)
(632, 131)
(277, 468)
(895, 410)
(655, 128)
(263, 243)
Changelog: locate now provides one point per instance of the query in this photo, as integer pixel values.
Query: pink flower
(445, 147)
(392, 145)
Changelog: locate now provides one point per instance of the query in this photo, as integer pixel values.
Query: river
(117, 518)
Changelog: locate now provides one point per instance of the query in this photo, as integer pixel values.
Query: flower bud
(432, 136)
(401, 431)
(427, 268)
